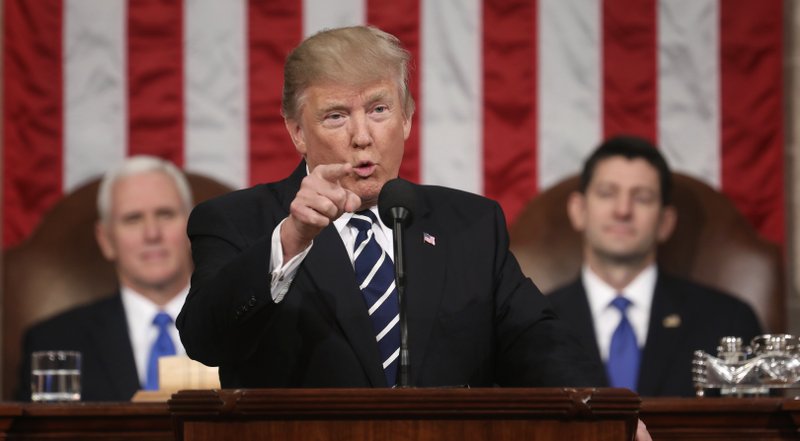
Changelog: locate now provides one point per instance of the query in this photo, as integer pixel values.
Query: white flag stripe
(391, 358)
(215, 91)
(569, 92)
(383, 298)
(324, 14)
(451, 139)
(689, 87)
(87, 112)
(388, 328)
(95, 88)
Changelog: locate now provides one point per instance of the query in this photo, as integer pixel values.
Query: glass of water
(56, 376)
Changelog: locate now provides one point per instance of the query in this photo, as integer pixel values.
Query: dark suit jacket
(100, 332)
(704, 314)
(473, 318)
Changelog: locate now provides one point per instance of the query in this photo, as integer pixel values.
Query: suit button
(252, 301)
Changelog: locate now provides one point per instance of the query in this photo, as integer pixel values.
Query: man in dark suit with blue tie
(278, 298)
(143, 206)
(640, 322)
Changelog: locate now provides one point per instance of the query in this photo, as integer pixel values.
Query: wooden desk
(405, 414)
(721, 419)
(86, 421)
(667, 418)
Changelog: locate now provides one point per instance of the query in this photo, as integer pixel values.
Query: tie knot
(162, 319)
(363, 220)
(621, 303)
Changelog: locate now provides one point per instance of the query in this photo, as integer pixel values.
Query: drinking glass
(56, 376)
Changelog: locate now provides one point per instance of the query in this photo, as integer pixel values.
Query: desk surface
(666, 418)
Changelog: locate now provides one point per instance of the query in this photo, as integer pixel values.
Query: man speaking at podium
(294, 280)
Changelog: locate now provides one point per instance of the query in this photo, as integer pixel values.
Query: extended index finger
(333, 172)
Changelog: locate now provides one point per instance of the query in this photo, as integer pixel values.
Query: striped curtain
(511, 94)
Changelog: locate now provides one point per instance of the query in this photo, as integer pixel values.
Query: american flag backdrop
(511, 94)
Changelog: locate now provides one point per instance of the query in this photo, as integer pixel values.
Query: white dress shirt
(282, 274)
(606, 317)
(139, 312)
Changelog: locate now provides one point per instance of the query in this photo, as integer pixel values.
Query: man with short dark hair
(641, 323)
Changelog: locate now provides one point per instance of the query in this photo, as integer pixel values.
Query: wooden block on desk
(176, 373)
(181, 372)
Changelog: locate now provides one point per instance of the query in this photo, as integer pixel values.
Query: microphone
(396, 205)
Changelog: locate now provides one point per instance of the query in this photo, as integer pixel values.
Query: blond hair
(351, 55)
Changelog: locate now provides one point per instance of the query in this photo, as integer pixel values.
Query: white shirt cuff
(282, 275)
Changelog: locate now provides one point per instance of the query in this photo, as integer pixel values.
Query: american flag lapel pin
(429, 239)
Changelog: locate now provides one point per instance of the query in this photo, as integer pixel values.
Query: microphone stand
(399, 214)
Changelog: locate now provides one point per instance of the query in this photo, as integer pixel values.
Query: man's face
(621, 215)
(145, 235)
(363, 125)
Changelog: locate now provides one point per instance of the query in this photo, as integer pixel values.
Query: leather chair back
(712, 244)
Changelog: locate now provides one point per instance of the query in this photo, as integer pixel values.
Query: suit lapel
(327, 261)
(581, 321)
(288, 188)
(663, 336)
(114, 349)
(329, 266)
(425, 274)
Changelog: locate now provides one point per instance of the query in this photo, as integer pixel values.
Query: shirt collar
(639, 291)
(137, 305)
(344, 219)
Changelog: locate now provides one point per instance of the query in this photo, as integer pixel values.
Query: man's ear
(576, 210)
(104, 242)
(666, 225)
(297, 135)
(406, 127)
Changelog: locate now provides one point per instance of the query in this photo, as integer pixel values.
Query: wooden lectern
(405, 414)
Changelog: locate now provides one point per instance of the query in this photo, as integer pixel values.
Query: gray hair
(137, 165)
(351, 55)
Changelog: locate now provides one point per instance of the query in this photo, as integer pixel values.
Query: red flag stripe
(752, 111)
(401, 18)
(155, 78)
(32, 114)
(274, 28)
(744, 87)
(509, 89)
(629, 67)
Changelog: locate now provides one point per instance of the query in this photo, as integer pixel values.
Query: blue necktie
(624, 355)
(375, 276)
(162, 346)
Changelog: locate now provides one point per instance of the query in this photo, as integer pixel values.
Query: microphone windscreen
(397, 193)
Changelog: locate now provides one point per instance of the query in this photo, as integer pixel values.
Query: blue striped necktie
(162, 346)
(375, 276)
(624, 354)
